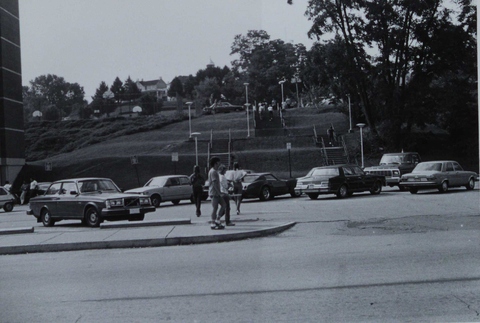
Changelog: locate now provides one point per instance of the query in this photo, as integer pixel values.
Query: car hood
(139, 190)
(386, 166)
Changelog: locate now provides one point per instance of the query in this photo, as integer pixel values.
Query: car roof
(439, 161)
(403, 153)
(81, 179)
(170, 176)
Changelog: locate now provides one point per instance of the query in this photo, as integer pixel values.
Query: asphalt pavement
(20, 234)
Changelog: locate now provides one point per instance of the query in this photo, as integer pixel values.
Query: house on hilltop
(156, 87)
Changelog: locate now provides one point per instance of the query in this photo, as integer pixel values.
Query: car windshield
(392, 159)
(428, 167)
(250, 178)
(323, 172)
(97, 185)
(157, 181)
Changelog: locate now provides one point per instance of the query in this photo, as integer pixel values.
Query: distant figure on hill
(331, 135)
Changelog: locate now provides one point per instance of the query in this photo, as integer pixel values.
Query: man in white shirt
(237, 177)
(225, 195)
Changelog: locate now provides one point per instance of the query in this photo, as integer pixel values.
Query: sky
(91, 41)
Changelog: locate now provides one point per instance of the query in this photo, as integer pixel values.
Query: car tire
(413, 190)
(46, 218)
(376, 188)
(342, 191)
(8, 207)
(156, 200)
(265, 194)
(443, 187)
(294, 193)
(176, 202)
(92, 218)
(471, 184)
(312, 196)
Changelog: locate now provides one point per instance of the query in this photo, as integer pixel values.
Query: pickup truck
(394, 165)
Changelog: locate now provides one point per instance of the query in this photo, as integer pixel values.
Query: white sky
(89, 41)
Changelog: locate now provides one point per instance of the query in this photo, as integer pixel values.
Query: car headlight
(396, 172)
(431, 178)
(144, 201)
(114, 203)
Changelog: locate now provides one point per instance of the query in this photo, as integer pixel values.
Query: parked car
(266, 186)
(91, 200)
(394, 165)
(227, 174)
(223, 107)
(7, 199)
(341, 180)
(160, 189)
(440, 175)
(42, 187)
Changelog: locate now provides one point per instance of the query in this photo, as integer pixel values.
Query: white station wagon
(173, 188)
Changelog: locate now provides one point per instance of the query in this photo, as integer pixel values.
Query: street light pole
(247, 105)
(361, 125)
(190, 119)
(195, 135)
(349, 114)
(281, 84)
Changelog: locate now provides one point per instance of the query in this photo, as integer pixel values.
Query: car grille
(130, 201)
(386, 173)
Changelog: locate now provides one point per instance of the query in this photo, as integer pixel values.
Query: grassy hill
(103, 147)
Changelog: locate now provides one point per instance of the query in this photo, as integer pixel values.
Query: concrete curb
(143, 243)
(17, 230)
(113, 225)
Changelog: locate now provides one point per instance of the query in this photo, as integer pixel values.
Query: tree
(131, 90)
(51, 90)
(393, 83)
(176, 88)
(150, 104)
(117, 89)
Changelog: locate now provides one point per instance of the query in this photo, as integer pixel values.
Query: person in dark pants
(215, 193)
(197, 181)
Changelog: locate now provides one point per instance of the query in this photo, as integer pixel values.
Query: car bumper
(126, 213)
(392, 181)
(419, 184)
(316, 189)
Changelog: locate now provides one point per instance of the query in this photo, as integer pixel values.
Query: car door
(351, 178)
(365, 182)
(51, 199)
(461, 177)
(450, 174)
(279, 187)
(185, 188)
(68, 204)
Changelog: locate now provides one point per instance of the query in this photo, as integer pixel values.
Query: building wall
(12, 143)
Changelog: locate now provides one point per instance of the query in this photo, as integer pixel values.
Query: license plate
(310, 186)
(134, 211)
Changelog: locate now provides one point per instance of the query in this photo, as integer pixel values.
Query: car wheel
(414, 190)
(176, 202)
(294, 193)
(376, 188)
(443, 187)
(8, 207)
(156, 200)
(265, 194)
(47, 218)
(342, 191)
(312, 196)
(471, 184)
(92, 218)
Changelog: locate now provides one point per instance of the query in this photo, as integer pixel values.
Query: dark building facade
(12, 142)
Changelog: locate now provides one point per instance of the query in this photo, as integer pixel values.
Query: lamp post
(361, 125)
(247, 105)
(349, 113)
(281, 84)
(190, 118)
(195, 135)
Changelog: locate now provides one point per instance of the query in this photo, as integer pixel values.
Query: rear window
(325, 172)
(428, 167)
(250, 178)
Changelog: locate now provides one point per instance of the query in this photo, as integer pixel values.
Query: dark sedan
(266, 186)
(341, 180)
(90, 200)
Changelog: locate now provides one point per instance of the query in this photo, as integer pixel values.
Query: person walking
(215, 193)
(224, 188)
(24, 189)
(331, 135)
(7, 186)
(236, 177)
(197, 181)
(33, 188)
